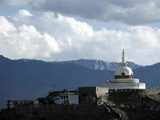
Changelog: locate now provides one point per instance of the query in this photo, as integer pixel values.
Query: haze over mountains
(26, 79)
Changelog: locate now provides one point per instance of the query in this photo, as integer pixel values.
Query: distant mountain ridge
(24, 79)
(101, 65)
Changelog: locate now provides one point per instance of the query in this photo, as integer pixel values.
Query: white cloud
(5, 26)
(24, 13)
(53, 36)
(26, 41)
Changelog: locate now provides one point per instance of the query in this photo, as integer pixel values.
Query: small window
(123, 74)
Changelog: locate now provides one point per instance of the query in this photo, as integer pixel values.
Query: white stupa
(123, 78)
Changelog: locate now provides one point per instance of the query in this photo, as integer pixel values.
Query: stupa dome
(124, 71)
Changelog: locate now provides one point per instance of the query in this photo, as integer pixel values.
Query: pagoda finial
(123, 57)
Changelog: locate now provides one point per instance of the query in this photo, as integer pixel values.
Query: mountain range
(28, 79)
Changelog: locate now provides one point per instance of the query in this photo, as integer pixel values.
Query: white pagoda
(124, 80)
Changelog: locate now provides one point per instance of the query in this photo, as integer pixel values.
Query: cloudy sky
(54, 30)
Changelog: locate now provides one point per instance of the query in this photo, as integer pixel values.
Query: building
(123, 84)
(124, 79)
(91, 94)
